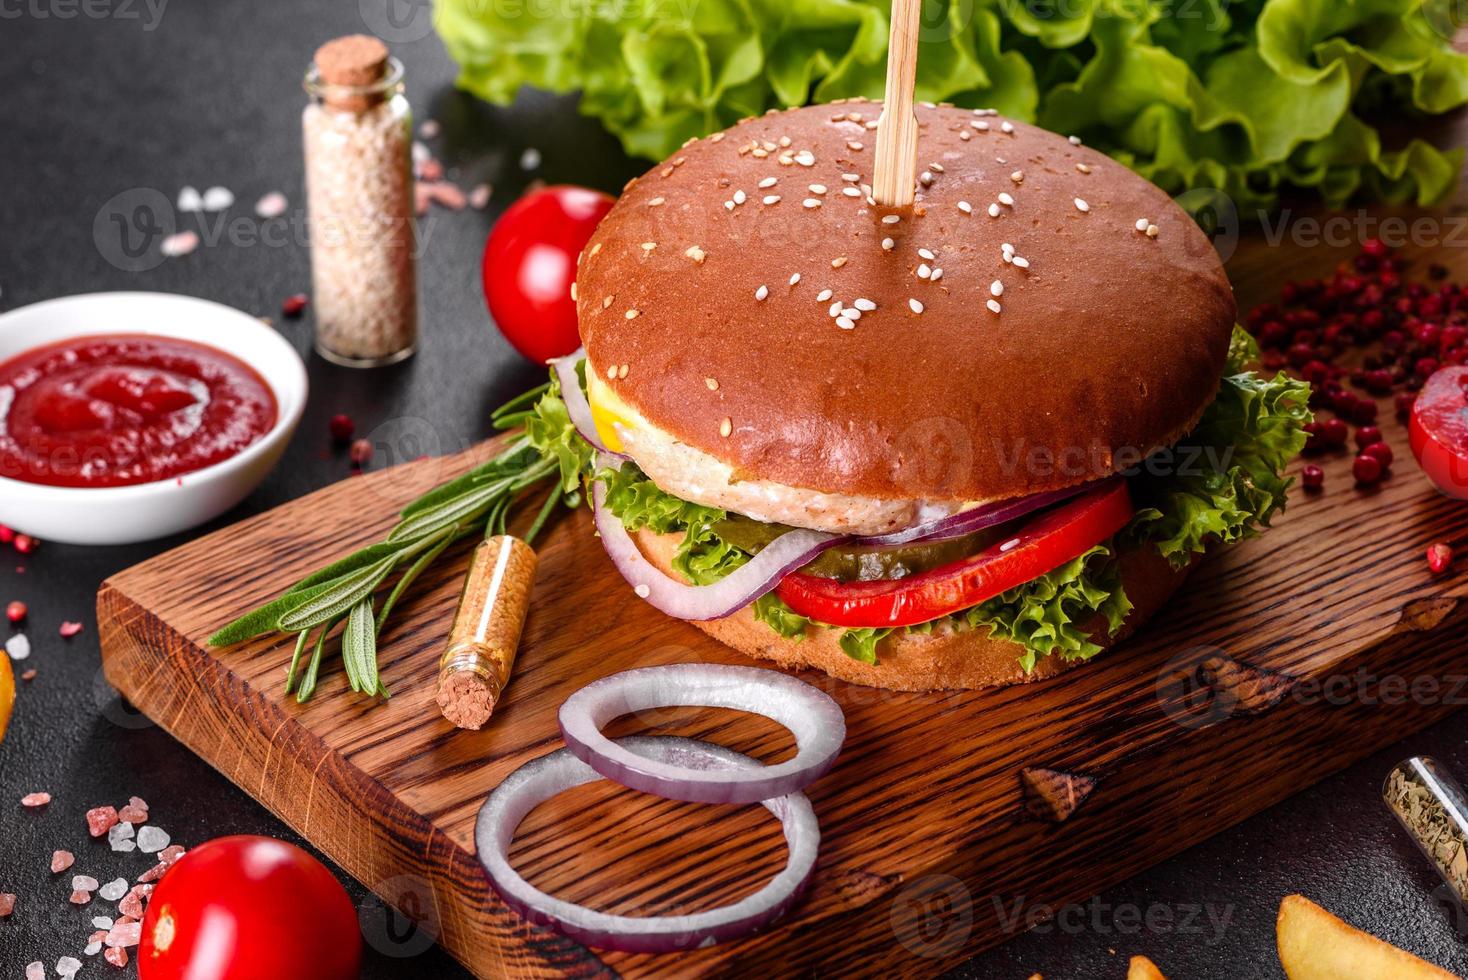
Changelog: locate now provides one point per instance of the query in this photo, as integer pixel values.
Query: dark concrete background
(99, 106)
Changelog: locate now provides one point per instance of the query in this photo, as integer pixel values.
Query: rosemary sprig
(480, 500)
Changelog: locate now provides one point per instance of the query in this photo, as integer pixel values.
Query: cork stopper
(350, 69)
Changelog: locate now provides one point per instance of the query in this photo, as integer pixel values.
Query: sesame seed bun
(1107, 343)
(942, 660)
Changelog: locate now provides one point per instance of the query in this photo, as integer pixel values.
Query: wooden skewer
(897, 130)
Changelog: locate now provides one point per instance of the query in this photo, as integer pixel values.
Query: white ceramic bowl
(121, 515)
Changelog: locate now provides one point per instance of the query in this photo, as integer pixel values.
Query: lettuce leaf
(1227, 480)
(1247, 98)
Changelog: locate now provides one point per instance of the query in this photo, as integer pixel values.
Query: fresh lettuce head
(1247, 98)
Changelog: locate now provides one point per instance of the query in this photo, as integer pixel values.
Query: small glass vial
(358, 134)
(1432, 808)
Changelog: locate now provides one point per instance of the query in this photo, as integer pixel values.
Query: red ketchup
(120, 409)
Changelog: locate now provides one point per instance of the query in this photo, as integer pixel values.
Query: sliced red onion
(969, 521)
(576, 404)
(542, 778)
(730, 594)
(811, 716)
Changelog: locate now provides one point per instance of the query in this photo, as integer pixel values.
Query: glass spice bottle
(358, 135)
(1432, 808)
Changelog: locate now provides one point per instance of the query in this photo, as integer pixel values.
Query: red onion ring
(970, 521)
(811, 716)
(576, 404)
(741, 587)
(542, 778)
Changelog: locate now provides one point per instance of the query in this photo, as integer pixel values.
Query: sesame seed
(993, 210)
(915, 306)
(965, 135)
(1152, 231)
(642, 590)
(925, 178)
(1142, 224)
(924, 253)
(996, 288)
(696, 254)
(594, 249)
(785, 141)
(851, 313)
(864, 305)
(937, 274)
(1082, 206)
(622, 371)
(1083, 168)
(795, 279)
(739, 197)
(612, 373)
(1008, 257)
(1007, 126)
(1074, 140)
(716, 138)
(851, 191)
(817, 188)
(606, 302)
(1007, 248)
(769, 182)
(631, 314)
(936, 167)
(1005, 199)
(1009, 545)
(888, 244)
(713, 383)
(786, 159)
(823, 295)
(759, 153)
(728, 205)
(761, 293)
(655, 202)
(805, 158)
(979, 124)
(772, 199)
(891, 219)
(835, 309)
(854, 146)
(649, 246)
(845, 324)
(811, 202)
(1021, 261)
(726, 427)
(993, 306)
(851, 178)
(838, 262)
(965, 207)
(924, 271)
(1018, 176)
(573, 291)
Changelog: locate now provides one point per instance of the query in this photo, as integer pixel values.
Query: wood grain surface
(1282, 660)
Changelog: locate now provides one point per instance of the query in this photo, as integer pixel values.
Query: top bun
(705, 301)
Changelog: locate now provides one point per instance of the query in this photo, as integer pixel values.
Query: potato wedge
(1143, 969)
(1315, 945)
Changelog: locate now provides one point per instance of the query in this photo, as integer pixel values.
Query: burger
(970, 442)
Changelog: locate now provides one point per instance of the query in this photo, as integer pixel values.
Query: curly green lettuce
(1247, 98)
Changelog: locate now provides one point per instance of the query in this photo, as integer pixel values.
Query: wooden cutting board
(1284, 659)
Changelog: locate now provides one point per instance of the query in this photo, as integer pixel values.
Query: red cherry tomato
(1439, 430)
(249, 908)
(530, 263)
(1047, 542)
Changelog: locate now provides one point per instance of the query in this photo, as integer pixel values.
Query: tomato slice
(1439, 430)
(1047, 542)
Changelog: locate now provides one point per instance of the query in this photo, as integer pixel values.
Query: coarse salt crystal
(112, 891)
(116, 956)
(479, 196)
(102, 921)
(83, 883)
(190, 200)
(35, 799)
(7, 904)
(180, 243)
(101, 819)
(218, 199)
(67, 966)
(271, 205)
(171, 853)
(35, 971)
(18, 646)
(530, 159)
(61, 860)
(124, 934)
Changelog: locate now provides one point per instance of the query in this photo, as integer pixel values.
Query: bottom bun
(945, 659)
